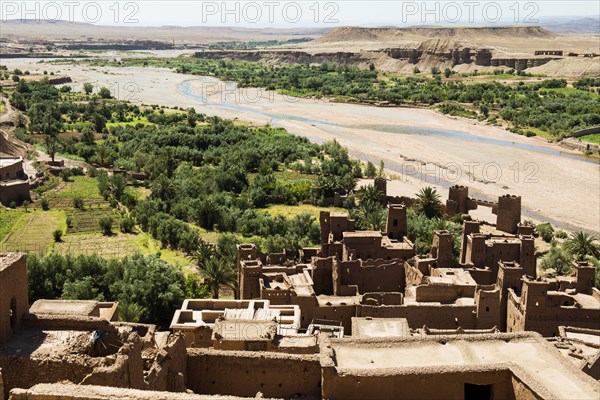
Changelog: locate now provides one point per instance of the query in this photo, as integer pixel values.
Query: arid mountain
(64, 30)
(422, 33)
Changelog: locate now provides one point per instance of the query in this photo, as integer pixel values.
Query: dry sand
(490, 160)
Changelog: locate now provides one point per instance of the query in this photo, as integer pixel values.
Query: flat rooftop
(529, 353)
(380, 327)
(240, 330)
(64, 307)
(362, 234)
(5, 162)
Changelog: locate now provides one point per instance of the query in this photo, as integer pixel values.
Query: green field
(8, 219)
(594, 138)
(292, 211)
(87, 220)
(79, 186)
(33, 232)
(137, 120)
(117, 245)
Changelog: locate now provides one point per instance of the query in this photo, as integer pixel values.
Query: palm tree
(581, 245)
(52, 145)
(371, 196)
(216, 273)
(429, 203)
(130, 312)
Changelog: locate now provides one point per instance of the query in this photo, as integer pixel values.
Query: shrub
(57, 234)
(66, 174)
(78, 202)
(127, 224)
(13, 204)
(560, 234)
(545, 231)
(45, 205)
(69, 222)
(106, 224)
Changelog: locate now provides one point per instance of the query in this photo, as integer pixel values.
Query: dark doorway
(13, 313)
(478, 392)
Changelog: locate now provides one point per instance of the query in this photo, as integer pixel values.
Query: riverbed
(420, 147)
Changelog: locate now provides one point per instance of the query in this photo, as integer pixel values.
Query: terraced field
(33, 232)
(87, 220)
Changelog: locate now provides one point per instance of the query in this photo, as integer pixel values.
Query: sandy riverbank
(490, 160)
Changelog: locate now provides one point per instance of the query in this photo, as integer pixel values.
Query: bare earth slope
(63, 30)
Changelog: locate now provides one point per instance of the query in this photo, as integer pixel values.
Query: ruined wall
(76, 392)
(247, 373)
(24, 372)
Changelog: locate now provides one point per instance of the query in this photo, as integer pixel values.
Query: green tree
(556, 261)
(88, 88)
(429, 202)
(104, 93)
(106, 224)
(582, 245)
(370, 197)
(130, 312)
(52, 145)
(82, 289)
(57, 234)
(217, 272)
(26, 204)
(78, 202)
(381, 170)
(370, 170)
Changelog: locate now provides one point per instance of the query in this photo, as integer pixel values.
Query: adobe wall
(12, 171)
(247, 373)
(322, 275)
(424, 383)
(24, 372)
(15, 191)
(197, 336)
(13, 292)
(63, 391)
(378, 276)
(310, 309)
(546, 320)
(434, 316)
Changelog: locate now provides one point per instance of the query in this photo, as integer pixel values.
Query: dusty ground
(554, 185)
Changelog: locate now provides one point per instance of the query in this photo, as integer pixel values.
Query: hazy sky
(297, 13)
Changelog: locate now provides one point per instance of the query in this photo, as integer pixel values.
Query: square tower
(13, 293)
(396, 226)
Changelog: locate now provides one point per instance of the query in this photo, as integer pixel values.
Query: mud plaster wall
(415, 386)
(389, 277)
(24, 372)
(13, 285)
(440, 317)
(546, 321)
(245, 373)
